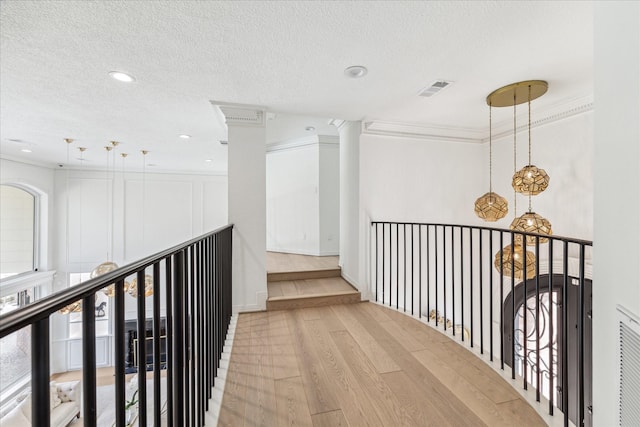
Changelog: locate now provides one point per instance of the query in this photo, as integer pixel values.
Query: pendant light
(531, 180)
(108, 265)
(491, 206)
(528, 178)
(110, 290)
(513, 254)
(74, 307)
(148, 279)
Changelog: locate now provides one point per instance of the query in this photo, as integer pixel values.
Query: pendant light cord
(490, 155)
(515, 203)
(529, 125)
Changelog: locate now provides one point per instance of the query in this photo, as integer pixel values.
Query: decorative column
(351, 246)
(247, 203)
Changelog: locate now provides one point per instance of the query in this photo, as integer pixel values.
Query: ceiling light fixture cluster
(529, 180)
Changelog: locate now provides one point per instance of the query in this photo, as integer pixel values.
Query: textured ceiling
(288, 56)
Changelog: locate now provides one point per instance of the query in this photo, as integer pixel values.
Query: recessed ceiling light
(355, 71)
(309, 128)
(208, 160)
(184, 136)
(26, 150)
(122, 77)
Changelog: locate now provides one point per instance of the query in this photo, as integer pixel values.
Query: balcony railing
(464, 281)
(195, 278)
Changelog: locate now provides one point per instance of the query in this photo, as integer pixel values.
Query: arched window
(18, 231)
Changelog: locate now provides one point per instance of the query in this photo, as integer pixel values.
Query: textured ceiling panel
(288, 56)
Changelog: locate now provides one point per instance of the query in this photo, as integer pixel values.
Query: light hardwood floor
(356, 365)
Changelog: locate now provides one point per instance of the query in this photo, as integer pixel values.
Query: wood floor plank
(386, 404)
(465, 390)
(414, 401)
(274, 289)
(356, 405)
(331, 321)
(329, 419)
(288, 288)
(405, 338)
(319, 392)
(521, 413)
(309, 287)
(367, 342)
(457, 357)
(232, 409)
(375, 311)
(291, 403)
(446, 402)
(260, 407)
(322, 359)
(285, 362)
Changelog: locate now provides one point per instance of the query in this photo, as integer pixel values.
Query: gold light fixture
(132, 287)
(531, 222)
(515, 256)
(491, 206)
(74, 307)
(106, 266)
(529, 180)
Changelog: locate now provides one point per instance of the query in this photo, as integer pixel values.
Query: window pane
(15, 357)
(16, 231)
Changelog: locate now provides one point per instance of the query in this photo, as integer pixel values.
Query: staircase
(309, 288)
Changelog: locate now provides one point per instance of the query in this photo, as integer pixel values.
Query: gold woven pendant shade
(531, 222)
(74, 307)
(516, 255)
(103, 268)
(530, 180)
(133, 287)
(491, 207)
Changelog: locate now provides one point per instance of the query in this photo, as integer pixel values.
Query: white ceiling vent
(434, 88)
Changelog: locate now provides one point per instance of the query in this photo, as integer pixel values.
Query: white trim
(20, 282)
(221, 379)
(551, 114)
(324, 140)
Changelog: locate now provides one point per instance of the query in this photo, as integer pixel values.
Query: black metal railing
(196, 277)
(464, 280)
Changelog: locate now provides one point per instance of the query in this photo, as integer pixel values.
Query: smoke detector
(434, 88)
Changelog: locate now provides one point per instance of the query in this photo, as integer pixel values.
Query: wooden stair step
(281, 276)
(313, 300)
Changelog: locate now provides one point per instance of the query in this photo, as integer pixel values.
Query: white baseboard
(221, 379)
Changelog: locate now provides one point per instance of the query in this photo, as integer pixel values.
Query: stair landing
(299, 281)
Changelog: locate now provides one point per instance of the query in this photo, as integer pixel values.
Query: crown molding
(303, 142)
(429, 132)
(242, 114)
(551, 114)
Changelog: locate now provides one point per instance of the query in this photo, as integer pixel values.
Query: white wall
(617, 194)
(329, 199)
(293, 200)
(352, 251)
(564, 149)
(303, 196)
